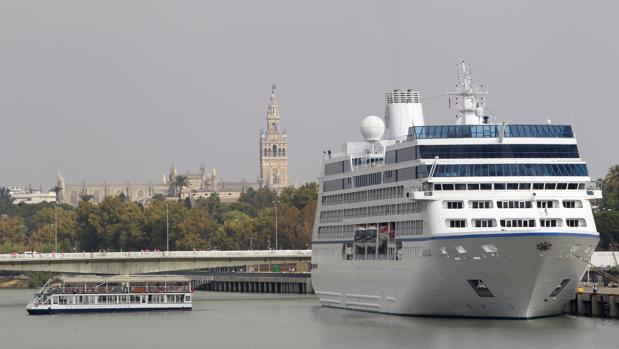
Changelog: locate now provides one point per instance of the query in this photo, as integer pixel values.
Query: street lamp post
(56, 227)
(167, 227)
(276, 247)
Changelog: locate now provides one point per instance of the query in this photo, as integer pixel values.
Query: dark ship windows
(480, 288)
(560, 287)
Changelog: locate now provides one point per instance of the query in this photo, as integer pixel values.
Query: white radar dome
(372, 128)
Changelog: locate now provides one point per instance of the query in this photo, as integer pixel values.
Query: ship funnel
(403, 111)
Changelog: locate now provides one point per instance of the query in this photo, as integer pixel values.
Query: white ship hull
(102, 308)
(521, 276)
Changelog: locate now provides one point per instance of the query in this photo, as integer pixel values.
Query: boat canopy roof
(71, 279)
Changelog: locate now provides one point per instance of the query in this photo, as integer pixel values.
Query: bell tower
(273, 149)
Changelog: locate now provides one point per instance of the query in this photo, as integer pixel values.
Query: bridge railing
(157, 254)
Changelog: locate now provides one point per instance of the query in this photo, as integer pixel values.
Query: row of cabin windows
(509, 186)
(335, 231)
(364, 195)
(482, 151)
(274, 152)
(376, 178)
(368, 179)
(336, 216)
(483, 204)
(516, 223)
(509, 170)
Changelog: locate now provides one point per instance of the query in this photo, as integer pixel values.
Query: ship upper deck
(490, 131)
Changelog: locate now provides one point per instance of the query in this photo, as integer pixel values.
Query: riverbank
(16, 282)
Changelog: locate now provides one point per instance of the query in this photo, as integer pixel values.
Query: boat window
(546, 204)
(485, 186)
(480, 288)
(187, 298)
(538, 186)
(454, 204)
(561, 186)
(560, 287)
(550, 186)
(512, 186)
(575, 222)
(524, 186)
(437, 187)
(549, 222)
(456, 223)
(473, 186)
(460, 186)
(499, 186)
(509, 170)
(498, 151)
(484, 223)
(448, 187)
(572, 203)
(517, 223)
(480, 204)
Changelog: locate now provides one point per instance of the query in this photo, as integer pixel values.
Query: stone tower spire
(273, 149)
(61, 184)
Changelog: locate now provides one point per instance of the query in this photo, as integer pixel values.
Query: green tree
(56, 189)
(236, 233)
(243, 207)
(196, 230)
(89, 224)
(13, 234)
(155, 223)
(44, 230)
(611, 181)
(299, 197)
(260, 199)
(264, 227)
(5, 195)
(86, 197)
(607, 223)
(180, 182)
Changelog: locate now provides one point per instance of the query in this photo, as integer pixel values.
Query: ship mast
(469, 98)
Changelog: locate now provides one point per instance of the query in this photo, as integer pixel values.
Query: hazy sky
(119, 90)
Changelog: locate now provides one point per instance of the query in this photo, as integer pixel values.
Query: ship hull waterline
(521, 276)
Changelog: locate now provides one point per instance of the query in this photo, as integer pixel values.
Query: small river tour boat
(118, 293)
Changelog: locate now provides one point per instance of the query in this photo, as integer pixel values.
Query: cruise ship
(476, 219)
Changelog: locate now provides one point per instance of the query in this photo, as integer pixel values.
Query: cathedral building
(273, 174)
(273, 149)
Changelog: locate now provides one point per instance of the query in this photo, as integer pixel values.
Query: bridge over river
(147, 262)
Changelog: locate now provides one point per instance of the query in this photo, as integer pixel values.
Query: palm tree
(611, 181)
(56, 189)
(86, 197)
(181, 181)
(5, 195)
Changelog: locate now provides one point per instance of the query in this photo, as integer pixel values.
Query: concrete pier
(253, 282)
(603, 303)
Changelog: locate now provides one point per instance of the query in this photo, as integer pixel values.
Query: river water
(235, 320)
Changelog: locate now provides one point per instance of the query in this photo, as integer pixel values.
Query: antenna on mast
(469, 98)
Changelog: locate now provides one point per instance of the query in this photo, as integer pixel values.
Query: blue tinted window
(481, 131)
(498, 151)
(504, 170)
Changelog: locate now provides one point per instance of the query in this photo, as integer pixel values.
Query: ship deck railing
(118, 290)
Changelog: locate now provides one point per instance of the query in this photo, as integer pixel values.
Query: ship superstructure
(472, 219)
